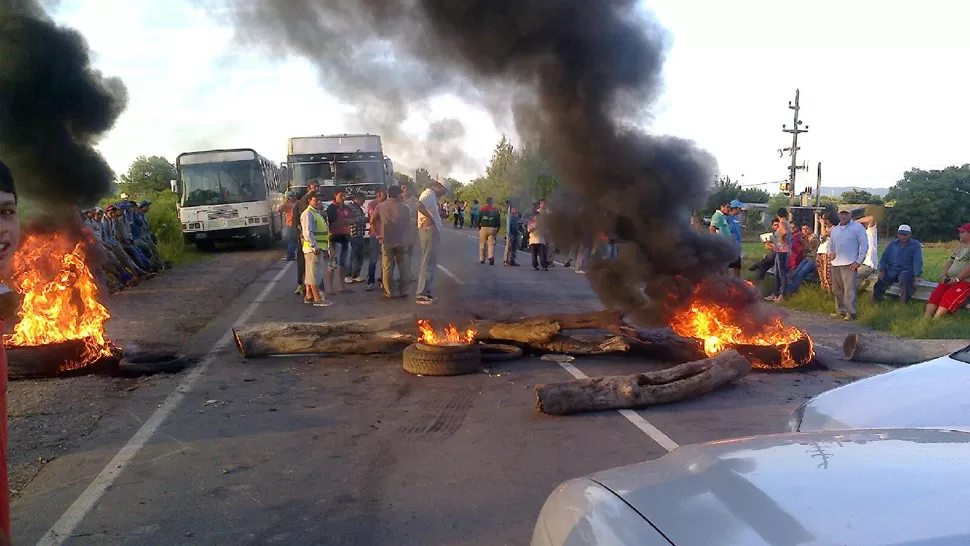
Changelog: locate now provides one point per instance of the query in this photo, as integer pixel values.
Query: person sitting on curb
(901, 262)
(954, 288)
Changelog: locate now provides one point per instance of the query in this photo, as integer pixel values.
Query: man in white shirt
(429, 232)
(848, 245)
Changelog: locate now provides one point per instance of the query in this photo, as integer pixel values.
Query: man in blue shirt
(901, 262)
(734, 223)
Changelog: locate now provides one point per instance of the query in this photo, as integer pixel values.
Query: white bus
(229, 195)
(355, 162)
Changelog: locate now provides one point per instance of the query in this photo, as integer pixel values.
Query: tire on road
(499, 352)
(420, 359)
(151, 363)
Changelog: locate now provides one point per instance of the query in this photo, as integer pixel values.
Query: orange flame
(60, 297)
(714, 325)
(452, 335)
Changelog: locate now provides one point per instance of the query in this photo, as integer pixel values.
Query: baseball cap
(735, 204)
(144, 203)
(904, 228)
(845, 208)
(964, 227)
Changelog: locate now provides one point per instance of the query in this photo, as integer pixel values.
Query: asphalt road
(307, 450)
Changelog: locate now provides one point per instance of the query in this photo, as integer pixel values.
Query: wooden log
(384, 335)
(645, 389)
(542, 329)
(599, 320)
(862, 348)
(663, 342)
(579, 344)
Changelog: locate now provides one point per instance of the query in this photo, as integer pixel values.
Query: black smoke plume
(53, 108)
(577, 75)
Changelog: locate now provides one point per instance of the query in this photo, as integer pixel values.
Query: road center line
(638, 421)
(68, 522)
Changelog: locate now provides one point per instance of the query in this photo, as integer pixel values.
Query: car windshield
(221, 183)
(963, 355)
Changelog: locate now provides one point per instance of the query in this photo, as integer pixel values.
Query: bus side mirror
(174, 185)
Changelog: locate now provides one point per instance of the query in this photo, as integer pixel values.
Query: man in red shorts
(953, 290)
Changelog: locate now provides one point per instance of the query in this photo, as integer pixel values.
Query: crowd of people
(844, 258)
(129, 249)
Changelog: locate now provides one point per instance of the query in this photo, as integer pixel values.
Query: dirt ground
(46, 416)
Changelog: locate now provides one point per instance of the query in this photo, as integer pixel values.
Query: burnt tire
(460, 360)
(151, 363)
(499, 352)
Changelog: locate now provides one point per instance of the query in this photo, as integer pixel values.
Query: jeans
(539, 256)
(781, 274)
(511, 247)
(428, 237)
(804, 270)
(844, 287)
(392, 255)
(486, 243)
(356, 256)
(374, 249)
(290, 235)
(339, 255)
(907, 285)
(763, 267)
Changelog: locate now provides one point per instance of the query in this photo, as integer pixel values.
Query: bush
(164, 220)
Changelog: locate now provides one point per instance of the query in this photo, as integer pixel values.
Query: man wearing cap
(429, 233)
(312, 186)
(901, 262)
(952, 292)
(847, 249)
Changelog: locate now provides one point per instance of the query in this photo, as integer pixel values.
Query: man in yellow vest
(316, 241)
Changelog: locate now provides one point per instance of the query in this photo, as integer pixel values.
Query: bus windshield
(349, 172)
(222, 183)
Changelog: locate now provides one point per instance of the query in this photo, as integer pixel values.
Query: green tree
(753, 195)
(147, 175)
(723, 190)
(422, 179)
(933, 202)
(861, 197)
(401, 177)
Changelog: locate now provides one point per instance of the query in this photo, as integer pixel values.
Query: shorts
(950, 297)
(311, 270)
(339, 254)
(736, 264)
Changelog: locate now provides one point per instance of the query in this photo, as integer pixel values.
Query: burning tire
(499, 352)
(53, 360)
(151, 363)
(442, 360)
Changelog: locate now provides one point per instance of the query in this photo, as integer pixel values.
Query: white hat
(905, 227)
(446, 184)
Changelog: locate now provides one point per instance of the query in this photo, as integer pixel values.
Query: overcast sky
(881, 85)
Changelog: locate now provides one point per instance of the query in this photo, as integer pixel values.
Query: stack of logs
(694, 374)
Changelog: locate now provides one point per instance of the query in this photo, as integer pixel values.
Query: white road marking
(450, 274)
(645, 426)
(68, 522)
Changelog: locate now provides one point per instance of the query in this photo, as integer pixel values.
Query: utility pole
(793, 151)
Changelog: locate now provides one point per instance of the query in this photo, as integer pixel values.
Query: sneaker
(837, 315)
(580, 272)
(322, 303)
(358, 278)
(348, 280)
(545, 269)
(423, 300)
(308, 301)
(568, 263)
(370, 287)
(771, 298)
(300, 290)
(849, 317)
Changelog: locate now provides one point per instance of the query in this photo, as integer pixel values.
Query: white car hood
(931, 394)
(875, 487)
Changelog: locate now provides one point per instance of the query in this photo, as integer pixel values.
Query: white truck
(228, 195)
(355, 162)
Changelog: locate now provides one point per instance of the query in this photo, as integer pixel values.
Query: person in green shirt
(719, 221)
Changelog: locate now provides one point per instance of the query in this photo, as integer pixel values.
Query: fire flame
(452, 335)
(60, 297)
(715, 326)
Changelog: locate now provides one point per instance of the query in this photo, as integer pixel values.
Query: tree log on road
(664, 342)
(645, 389)
(592, 344)
(541, 329)
(862, 348)
(384, 335)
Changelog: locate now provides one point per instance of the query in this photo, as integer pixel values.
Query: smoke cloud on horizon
(54, 107)
(575, 74)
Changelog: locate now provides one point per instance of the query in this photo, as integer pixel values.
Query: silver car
(881, 487)
(932, 394)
